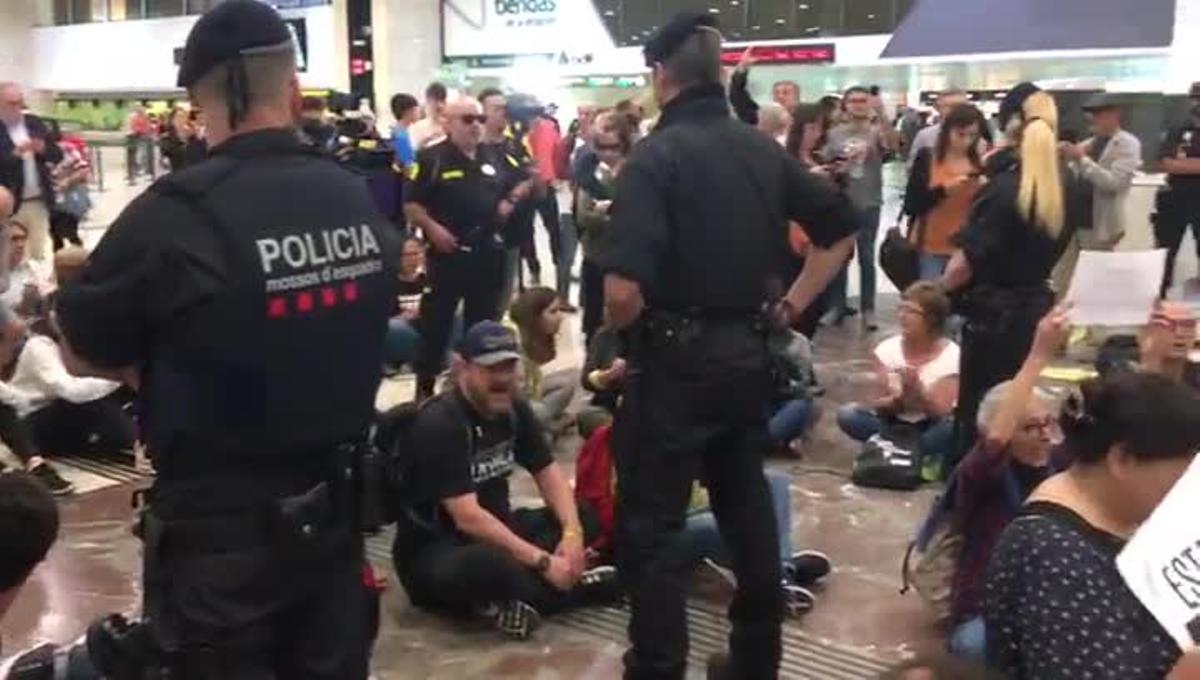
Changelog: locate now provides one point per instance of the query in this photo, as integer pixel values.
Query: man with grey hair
(26, 155)
(213, 292)
(703, 189)
(947, 100)
(1018, 430)
(774, 121)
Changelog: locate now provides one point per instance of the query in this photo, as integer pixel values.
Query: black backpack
(890, 459)
(391, 436)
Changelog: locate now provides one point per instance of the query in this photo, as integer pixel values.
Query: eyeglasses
(472, 118)
(1039, 426)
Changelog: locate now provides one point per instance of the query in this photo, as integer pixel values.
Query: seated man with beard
(461, 548)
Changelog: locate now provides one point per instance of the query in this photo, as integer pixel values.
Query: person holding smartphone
(613, 141)
(942, 187)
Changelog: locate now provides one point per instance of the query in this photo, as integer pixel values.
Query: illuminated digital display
(824, 53)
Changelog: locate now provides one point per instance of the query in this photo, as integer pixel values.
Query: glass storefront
(632, 21)
(88, 11)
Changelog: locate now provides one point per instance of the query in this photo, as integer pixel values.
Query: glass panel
(81, 11)
(62, 12)
(163, 8)
(201, 6)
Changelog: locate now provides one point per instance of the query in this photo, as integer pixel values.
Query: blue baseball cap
(489, 343)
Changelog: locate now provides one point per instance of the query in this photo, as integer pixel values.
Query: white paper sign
(1161, 564)
(1116, 289)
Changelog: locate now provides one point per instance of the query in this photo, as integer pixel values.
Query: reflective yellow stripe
(368, 144)
(513, 162)
(398, 169)
(453, 174)
(414, 171)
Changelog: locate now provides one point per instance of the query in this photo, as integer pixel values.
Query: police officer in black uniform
(247, 298)
(1178, 204)
(699, 228)
(462, 194)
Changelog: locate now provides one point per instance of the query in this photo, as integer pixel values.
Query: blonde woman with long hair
(1016, 233)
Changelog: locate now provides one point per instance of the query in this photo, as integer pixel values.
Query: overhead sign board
(798, 53)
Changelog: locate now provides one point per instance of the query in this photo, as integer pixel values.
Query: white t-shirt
(40, 378)
(20, 135)
(890, 353)
(28, 272)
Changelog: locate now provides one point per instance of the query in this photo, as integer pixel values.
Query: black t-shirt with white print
(457, 451)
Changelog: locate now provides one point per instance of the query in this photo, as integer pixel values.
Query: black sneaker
(798, 601)
(599, 585)
(517, 620)
(52, 481)
(808, 567)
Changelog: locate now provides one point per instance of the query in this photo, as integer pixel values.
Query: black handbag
(890, 460)
(899, 257)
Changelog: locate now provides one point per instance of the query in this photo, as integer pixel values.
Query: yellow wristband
(572, 532)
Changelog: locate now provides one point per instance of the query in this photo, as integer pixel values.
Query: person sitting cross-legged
(461, 548)
(917, 373)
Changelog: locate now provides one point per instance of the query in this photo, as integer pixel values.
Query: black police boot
(718, 667)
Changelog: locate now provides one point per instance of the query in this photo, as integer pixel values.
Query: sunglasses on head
(472, 118)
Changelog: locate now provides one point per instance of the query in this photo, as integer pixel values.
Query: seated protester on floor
(66, 415)
(604, 372)
(1056, 606)
(538, 314)
(403, 334)
(917, 376)
(700, 541)
(28, 280)
(462, 548)
(1011, 458)
(794, 406)
(16, 402)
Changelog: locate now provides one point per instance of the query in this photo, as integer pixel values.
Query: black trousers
(663, 442)
(99, 427)
(994, 346)
(64, 229)
(233, 614)
(15, 434)
(1171, 222)
(591, 285)
(547, 207)
(456, 576)
(474, 279)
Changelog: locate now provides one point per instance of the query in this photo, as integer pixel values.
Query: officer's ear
(295, 98)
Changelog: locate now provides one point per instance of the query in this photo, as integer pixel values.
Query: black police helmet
(231, 30)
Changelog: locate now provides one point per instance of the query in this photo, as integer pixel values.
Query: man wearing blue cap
(696, 246)
(247, 298)
(462, 548)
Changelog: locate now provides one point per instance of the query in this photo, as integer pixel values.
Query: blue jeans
(700, 538)
(861, 423)
(791, 421)
(868, 229)
(931, 267)
(403, 343)
(969, 640)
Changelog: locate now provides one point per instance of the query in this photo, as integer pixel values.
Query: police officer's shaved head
(239, 64)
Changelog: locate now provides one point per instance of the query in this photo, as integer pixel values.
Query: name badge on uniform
(488, 170)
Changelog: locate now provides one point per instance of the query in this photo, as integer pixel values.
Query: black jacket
(12, 171)
(739, 96)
